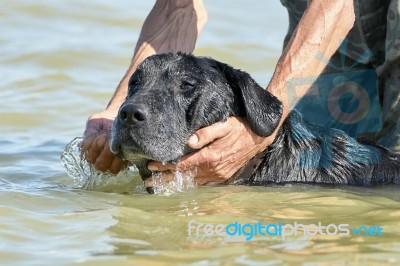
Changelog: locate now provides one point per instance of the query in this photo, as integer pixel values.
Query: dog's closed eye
(188, 85)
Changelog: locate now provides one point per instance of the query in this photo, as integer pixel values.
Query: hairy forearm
(172, 25)
(322, 28)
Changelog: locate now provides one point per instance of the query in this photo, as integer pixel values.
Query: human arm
(172, 25)
(228, 146)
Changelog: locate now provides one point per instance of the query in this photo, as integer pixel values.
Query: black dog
(172, 95)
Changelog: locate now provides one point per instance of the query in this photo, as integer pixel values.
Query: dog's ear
(263, 110)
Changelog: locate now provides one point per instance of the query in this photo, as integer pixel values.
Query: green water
(60, 62)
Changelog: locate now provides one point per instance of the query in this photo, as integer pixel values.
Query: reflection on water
(60, 62)
(138, 229)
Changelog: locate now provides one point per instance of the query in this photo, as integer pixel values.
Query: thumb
(208, 134)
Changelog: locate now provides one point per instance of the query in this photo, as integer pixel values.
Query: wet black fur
(181, 93)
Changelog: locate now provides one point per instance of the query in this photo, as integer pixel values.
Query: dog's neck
(244, 175)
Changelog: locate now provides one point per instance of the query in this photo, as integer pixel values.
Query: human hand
(96, 146)
(225, 147)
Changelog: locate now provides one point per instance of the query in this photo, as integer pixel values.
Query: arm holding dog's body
(323, 27)
(226, 147)
(172, 25)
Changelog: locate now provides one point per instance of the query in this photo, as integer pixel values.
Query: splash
(183, 180)
(85, 176)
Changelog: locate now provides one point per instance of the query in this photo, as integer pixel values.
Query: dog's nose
(132, 114)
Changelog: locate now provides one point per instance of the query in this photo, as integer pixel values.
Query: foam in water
(85, 176)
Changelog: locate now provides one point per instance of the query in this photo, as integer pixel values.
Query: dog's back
(309, 153)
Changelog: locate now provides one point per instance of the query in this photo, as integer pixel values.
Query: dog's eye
(135, 78)
(132, 87)
(133, 82)
(186, 85)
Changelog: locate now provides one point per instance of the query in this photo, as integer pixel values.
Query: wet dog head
(172, 95)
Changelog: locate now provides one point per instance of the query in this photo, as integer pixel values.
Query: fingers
(104, 157)
(152, 182)
(95, 144)
(208, 134)
(86, 143)
(97, 151)
(90, 137)
(165, 177)
(149, 182)
(161, 167)
(92, 126)
(189, 161)
(194, 159)
(117, 165)
(101, 157)
(96, 148)
(202, 158)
